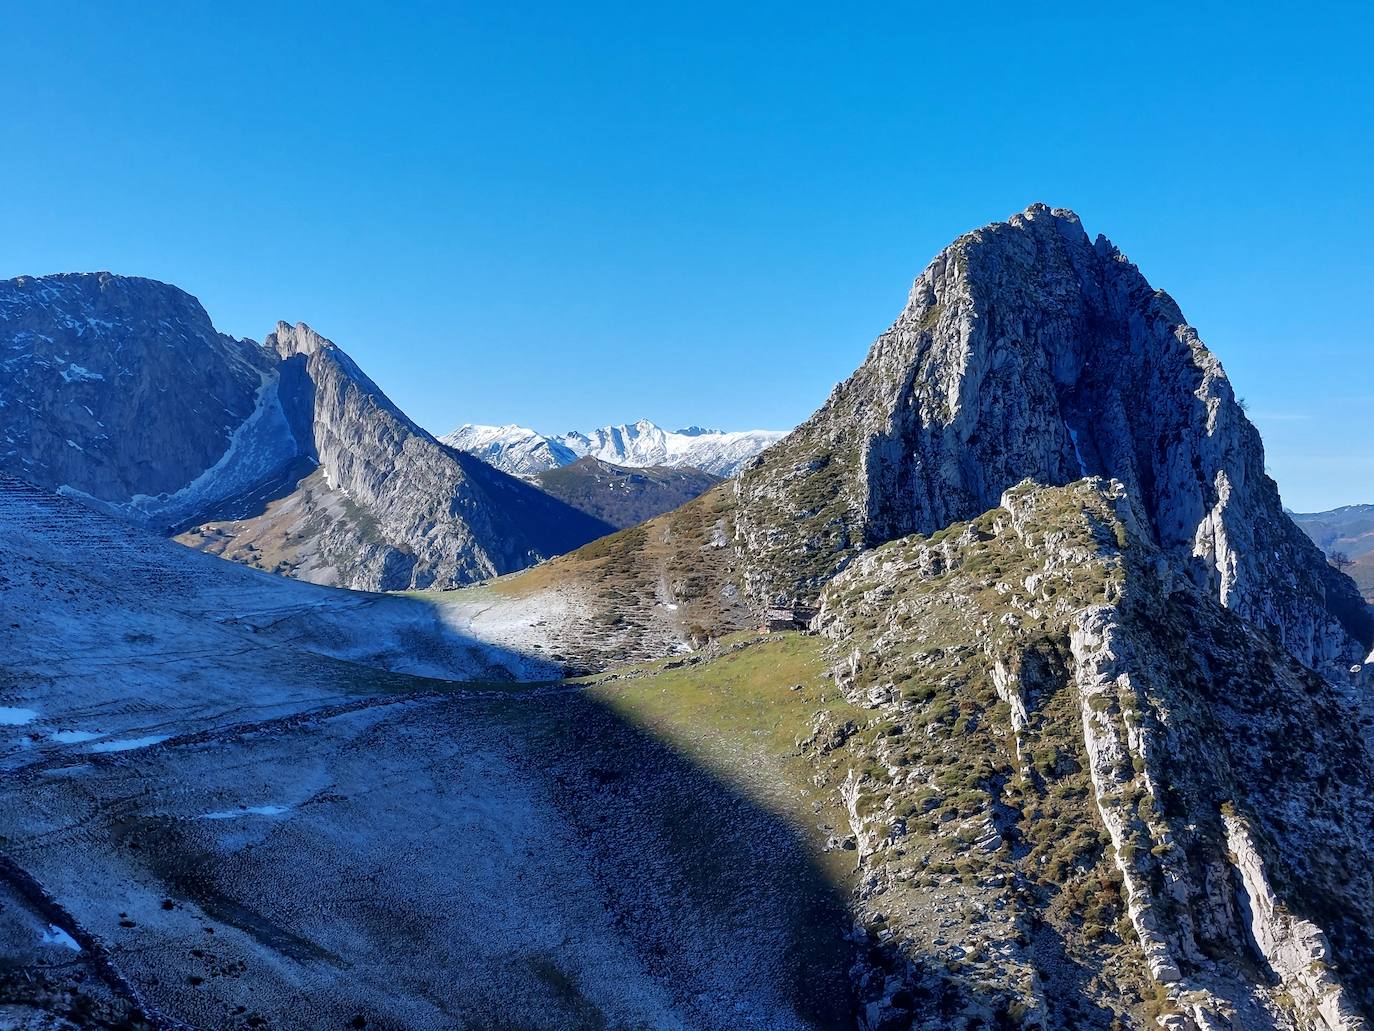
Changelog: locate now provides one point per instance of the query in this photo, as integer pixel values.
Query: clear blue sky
(569, 214)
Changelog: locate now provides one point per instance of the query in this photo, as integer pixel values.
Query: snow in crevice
(261, 444)
(74, 373)
(54, 935)
(1077, 451)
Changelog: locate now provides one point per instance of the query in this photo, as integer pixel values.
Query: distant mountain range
(624, 496)
(1347, 531)
(121, 392)
(523, 451)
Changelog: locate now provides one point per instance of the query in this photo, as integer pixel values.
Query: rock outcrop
(1027, 350)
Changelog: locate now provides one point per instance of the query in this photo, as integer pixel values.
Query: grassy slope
(638, 593)
(746, 716)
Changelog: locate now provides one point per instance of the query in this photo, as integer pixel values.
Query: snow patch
(248, 810)
(76, 737)
(1077, 452)
(76, 374)
(54, 935)
(129, 743)
(13, 716)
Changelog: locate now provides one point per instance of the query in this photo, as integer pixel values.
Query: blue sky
(570, 214)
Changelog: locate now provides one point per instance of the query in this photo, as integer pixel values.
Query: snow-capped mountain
(513, 449)
(517, 449)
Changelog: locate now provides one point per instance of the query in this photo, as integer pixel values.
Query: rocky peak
(116, 386)
(1027, 350)
(287, 340)
(119, 390)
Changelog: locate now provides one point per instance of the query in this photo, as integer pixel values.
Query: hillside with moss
(622, 496)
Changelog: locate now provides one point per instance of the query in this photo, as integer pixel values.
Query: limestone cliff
(397, 509)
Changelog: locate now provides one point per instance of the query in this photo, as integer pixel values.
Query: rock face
(638, 445)
(1027, 350)
(122, 392)
(623, 496)
(429, 516)
(116, 387)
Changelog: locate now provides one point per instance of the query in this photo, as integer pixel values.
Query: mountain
(1100, 712)
(621, 496)
(1141, 810)
(121, 391)
(512, 448)
(1077, 735)
(388, 506)
(1348, 531)
(641, 444)
(1027, 350)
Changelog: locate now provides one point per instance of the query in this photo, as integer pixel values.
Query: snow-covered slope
(517, 449)
(226, 803)
(644, 443)
(512, 448)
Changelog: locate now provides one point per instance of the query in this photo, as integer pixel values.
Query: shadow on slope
(536, 859)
